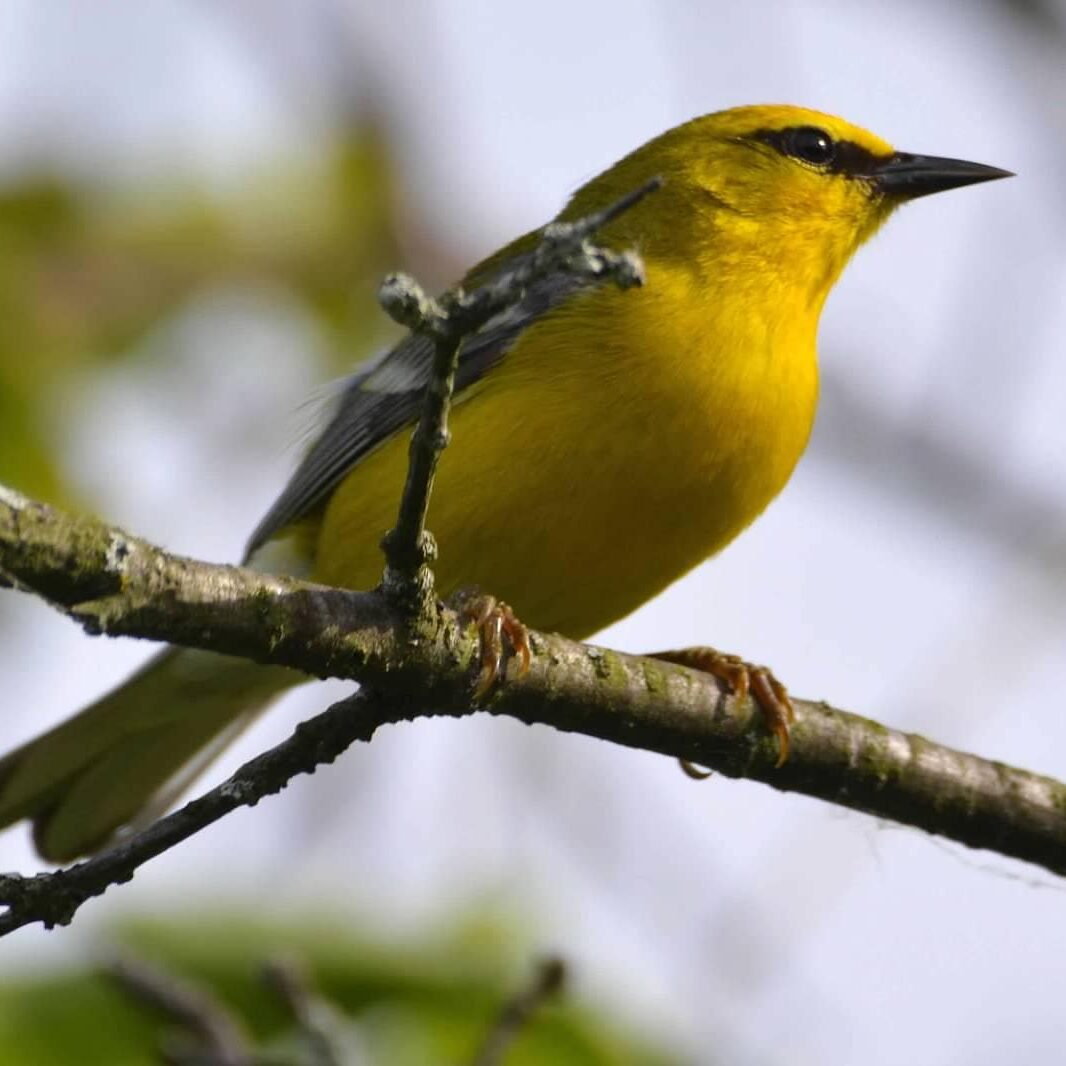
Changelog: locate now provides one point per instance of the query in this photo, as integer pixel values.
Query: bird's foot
(495, 621)
(743, 678)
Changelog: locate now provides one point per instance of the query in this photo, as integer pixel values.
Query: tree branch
(53, 898)
(113, 583)
(322, 1027)
(564, 248)
(517, 1012)
(210, 1034)
(217, 1036)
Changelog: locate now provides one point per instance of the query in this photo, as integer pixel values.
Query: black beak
(907, 177)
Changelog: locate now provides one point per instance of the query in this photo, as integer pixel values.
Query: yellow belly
(609, 453)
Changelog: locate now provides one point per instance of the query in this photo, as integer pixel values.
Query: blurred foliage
(84, 275)
(418, 1004)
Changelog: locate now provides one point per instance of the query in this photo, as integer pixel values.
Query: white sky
(725, 917)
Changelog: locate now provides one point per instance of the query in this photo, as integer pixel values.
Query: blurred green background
(428, 1001)
(86, 273)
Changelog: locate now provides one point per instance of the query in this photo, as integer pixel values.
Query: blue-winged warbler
(603, 443)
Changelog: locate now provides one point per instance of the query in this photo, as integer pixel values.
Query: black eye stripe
(850, 158)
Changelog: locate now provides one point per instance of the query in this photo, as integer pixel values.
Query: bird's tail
(125, 758)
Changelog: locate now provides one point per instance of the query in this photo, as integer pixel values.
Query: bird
(604, 443)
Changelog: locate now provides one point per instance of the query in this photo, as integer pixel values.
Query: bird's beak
(906, 177)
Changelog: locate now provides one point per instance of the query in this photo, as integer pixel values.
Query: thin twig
(516, 1013)
(320, 1024)
(218, 1036)
(564, 249)
(53, 898)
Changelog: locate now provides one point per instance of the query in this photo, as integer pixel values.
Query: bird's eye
(810, 144)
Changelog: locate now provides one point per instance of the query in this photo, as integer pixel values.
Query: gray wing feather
(381, 398)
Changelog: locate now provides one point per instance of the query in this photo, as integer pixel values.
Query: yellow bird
(603, 443)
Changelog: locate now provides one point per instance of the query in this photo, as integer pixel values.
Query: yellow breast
(621, 442)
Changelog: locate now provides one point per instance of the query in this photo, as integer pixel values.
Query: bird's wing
(386, 395)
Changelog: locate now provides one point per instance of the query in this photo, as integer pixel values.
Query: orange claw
(697, 773)
(742, 677)
(494, 621)
(776, 706)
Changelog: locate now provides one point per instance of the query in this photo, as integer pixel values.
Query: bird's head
(780, 192)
